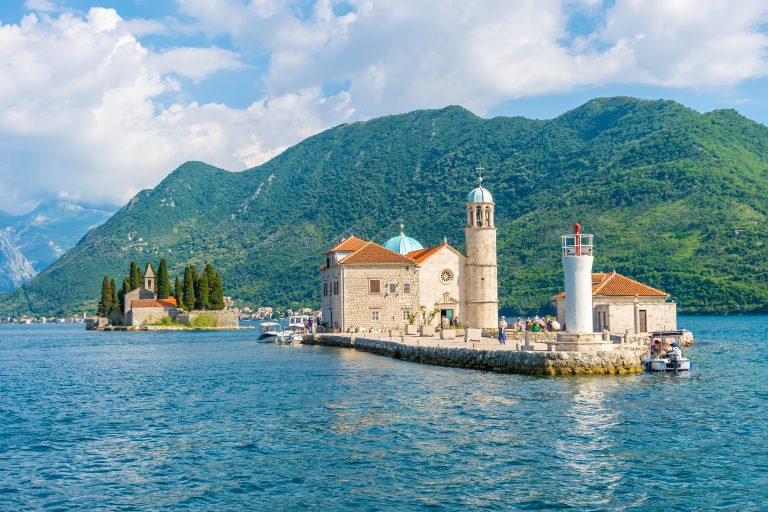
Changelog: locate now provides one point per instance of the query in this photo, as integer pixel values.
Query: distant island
(676, 197)
(147, 300)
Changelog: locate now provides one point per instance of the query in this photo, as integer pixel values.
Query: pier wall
(507, 361)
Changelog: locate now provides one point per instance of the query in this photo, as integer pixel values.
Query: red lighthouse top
(577, 228)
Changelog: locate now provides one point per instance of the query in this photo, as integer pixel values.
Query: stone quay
(487, 354)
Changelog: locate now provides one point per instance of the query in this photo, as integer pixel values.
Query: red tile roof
(423, 254)
(612, 284)
(348, 244)
(372, 253)
(170, 302)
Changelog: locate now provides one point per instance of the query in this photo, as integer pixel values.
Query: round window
(446, 276)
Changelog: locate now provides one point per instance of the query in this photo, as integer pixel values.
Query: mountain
(30, 243)
(674, 198)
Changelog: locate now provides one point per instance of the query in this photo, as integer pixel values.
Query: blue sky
(102, 99)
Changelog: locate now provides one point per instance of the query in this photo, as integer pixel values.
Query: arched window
(479, 216)
(487, 216)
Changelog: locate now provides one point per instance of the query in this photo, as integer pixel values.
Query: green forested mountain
(674, 198)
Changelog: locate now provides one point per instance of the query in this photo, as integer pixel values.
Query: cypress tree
(177, 291)
(135, 279)
(114, 302)
(106, 297)
(121, 294)
(202, 293)
(163, 281)
(188, 299)
(216, 292)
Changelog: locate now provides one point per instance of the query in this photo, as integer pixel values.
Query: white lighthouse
(577, 261)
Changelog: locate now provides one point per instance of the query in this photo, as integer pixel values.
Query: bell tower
(149, 278)
(482, 291)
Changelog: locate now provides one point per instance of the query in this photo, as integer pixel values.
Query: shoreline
(488, 355)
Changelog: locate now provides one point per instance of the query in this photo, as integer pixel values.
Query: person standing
(503, 331)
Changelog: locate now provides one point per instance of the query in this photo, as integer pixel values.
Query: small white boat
(295, 333)
(269, 331)
(656, 360)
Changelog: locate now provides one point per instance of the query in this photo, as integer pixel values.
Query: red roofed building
(621, 304)
(141, 306)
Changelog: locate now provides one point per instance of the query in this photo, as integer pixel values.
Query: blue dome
(480, 195)
(403, 244)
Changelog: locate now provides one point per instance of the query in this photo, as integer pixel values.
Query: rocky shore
(617, 362)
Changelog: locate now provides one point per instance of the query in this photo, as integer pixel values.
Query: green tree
(188, 299)
(216, 291)
(105, 303)
(202, 293)
(163, 281)
(135, 280)
(177, 290)
(122, 293)
(114, 302)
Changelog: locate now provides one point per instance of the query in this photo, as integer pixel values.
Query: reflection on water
(588, 447)
(211, 421)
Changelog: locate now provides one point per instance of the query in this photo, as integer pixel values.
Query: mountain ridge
(662, 187)
(34, 240)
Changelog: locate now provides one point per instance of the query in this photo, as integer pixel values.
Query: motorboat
(673, 360)
(289, 337)
(293, 334)
(269, 331)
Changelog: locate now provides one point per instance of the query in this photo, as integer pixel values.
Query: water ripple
(216, 421)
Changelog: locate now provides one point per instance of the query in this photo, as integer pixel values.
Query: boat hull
(665, 365)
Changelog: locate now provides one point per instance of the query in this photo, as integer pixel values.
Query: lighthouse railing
(577, 245)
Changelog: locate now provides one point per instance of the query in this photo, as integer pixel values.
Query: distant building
(141, 306)
(373, 287)
(621, 304)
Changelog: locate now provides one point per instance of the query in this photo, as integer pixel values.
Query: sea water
(217, 421)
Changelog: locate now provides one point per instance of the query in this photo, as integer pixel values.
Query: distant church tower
(149, 278)
(482, 290)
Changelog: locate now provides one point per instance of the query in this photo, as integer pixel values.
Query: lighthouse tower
(482, 291)
(577, 261)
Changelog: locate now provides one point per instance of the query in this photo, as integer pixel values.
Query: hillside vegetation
(674, 198)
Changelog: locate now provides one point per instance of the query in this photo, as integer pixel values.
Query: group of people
(537, 324)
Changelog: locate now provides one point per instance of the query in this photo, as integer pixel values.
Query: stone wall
(332, 305)
(139, 316)
(507, 361)
(359, 303)
(225, 318)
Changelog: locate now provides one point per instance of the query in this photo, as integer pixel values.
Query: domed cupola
(403, 244)
(480, 195)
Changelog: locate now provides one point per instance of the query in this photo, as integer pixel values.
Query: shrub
(204, 321)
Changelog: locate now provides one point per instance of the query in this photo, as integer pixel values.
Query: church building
(368, 286)
(142, 306)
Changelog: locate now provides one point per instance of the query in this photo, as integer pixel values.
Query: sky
(99, 100)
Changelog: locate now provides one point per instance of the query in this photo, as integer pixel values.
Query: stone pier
(488, 355)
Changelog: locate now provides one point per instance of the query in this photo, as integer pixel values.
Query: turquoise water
(216, 421)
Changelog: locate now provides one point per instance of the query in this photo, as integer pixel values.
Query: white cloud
(40, 5)
(81, 98)
(400, 55)
(80, 116)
